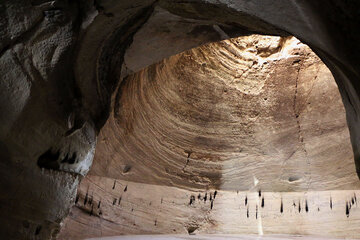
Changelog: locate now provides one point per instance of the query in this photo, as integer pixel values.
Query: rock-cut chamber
(243, 136)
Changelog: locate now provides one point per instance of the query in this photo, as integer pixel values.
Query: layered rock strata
(242, 136)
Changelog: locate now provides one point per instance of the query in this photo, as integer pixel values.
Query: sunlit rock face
(243, 136)
(254, 112)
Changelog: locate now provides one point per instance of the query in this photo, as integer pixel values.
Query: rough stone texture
(243, 117)
(61, 62)
(39, 114)
(224, 114)
(214, 237)
(150, 43)
(108, 207)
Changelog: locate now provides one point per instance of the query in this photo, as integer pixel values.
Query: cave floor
(216, 237)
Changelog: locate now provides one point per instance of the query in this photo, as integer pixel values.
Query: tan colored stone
(224, 114)
(108, 207)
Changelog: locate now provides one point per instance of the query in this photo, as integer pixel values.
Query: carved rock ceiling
(242, 136)
(225, 115)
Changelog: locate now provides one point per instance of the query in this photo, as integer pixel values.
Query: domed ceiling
(251, 112)
(243, 136)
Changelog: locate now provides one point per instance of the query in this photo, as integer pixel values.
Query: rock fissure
(300, 134)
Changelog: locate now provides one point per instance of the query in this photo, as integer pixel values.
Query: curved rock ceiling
(60, 64)
(243, 136)
(254, 112)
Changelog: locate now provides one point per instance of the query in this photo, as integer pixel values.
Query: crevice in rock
(187, 160)
(191, 229)
(297, 118)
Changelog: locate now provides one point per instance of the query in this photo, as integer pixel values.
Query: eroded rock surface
(224, 115)
(40, 116)
(242, 136)
(62, 61)
(108, 207)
